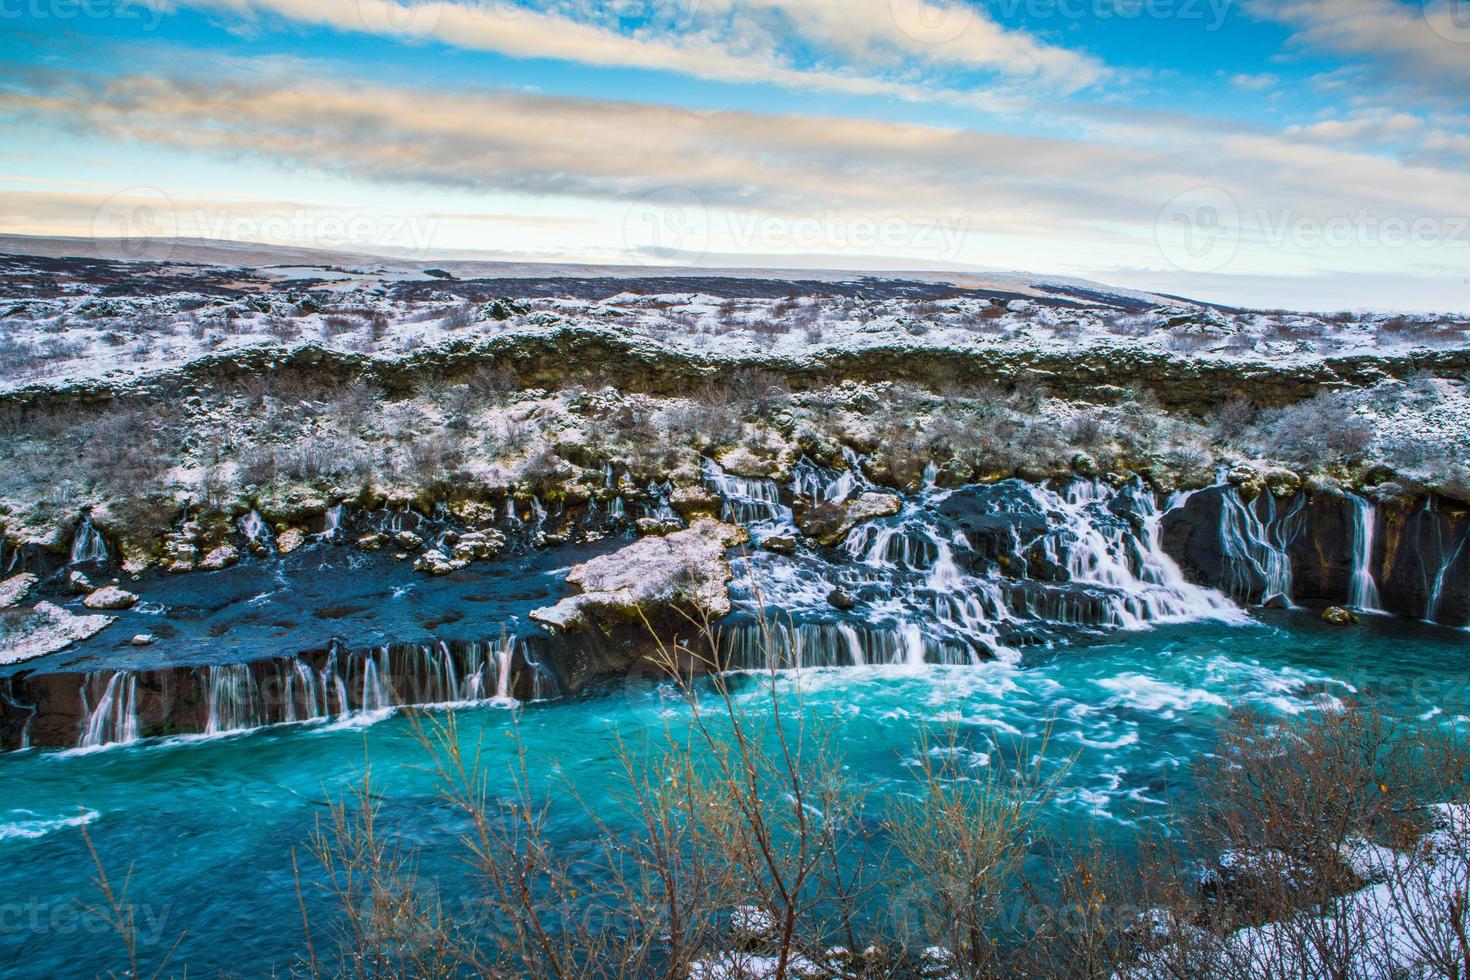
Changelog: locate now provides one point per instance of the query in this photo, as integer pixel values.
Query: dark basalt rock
(1420, 559)
(1004, 526)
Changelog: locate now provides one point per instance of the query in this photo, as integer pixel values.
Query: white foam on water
(28, 825)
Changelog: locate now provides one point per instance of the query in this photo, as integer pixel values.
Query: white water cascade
(234, 699)
(256, 530)
(1363, 591)
(115, 719)
(746, 500)
(1041, 563)
(1255, 547)
(239, 697)
(87, 544)
(333, 522)
(1144, 584)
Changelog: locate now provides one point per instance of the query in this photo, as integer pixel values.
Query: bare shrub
(459, 317)
(283, 329)
(1322, 430)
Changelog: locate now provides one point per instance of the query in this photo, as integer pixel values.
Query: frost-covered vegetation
(380, 389)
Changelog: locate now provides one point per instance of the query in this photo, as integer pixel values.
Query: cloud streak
(895, 48)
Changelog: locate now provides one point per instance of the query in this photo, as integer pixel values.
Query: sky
(1304, 154)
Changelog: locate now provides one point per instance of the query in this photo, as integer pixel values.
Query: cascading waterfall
(255, 529)
(115, 719)
(234, 701)
(1144, 584)
(785, 646)
(746, 500)
(1255, 547)
(333, 522)
(931, 594)
(658, 506)
(87, 544)
(241, 697)
(1432, 611)
(1363, 591)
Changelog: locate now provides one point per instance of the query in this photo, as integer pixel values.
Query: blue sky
(1305, 153)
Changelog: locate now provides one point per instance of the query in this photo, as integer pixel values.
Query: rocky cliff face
(1326, 547)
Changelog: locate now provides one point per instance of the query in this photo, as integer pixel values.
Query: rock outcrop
(648, 578)
(44, 629)
(13, 591)
(828, 523)
(110, 597)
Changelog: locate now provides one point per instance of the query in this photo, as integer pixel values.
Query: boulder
(840, 598)
(408, 541)
(45, 629)
(436, 562)
(828, 523)
(290, 539)
(222, 557)
(14, 590)
(142, 640)
(652, 527)
(781, 544)
(179, 553)
(693, 501)
(78, 583)
(1338, 616)
(110, 597)
(371, 542)
(650, 576)
(475, 545)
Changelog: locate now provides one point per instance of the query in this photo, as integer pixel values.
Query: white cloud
(863, 47)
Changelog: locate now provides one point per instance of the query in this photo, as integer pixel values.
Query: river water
(209, 822)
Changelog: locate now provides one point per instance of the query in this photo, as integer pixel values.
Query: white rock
(688, 565)
(45, 629)
(110, 597)
(14, 590)
(222, 557)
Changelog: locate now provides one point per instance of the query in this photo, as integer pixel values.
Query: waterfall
(502, 670)
(256, 530)
(658, 506)
(745, 500)
(1255, 547)
(115, 719)
(810, 645)
(1142, 584)
(375, 694)
(811, 482)
(87, 544)
(232, 699)
(1363, 591)
(333, 522)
